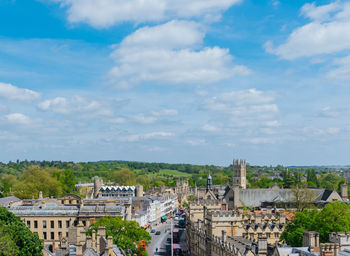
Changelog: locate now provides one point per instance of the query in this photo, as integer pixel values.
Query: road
(160, 241)
(163, 241)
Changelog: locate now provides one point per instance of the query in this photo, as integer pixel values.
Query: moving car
(153, 231)
(158, 233)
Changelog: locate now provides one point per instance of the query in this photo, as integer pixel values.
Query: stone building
(52, 218)
(338, 245)
(200, 243)
(80, 244)
(238, 196)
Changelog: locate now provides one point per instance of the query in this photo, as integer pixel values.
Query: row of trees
(334, 217)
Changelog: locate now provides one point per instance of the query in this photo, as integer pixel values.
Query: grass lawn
(175, 173)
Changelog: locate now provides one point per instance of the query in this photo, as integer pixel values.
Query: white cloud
(210, 128)
(145, 136)
(75, 104)
(106, 13)
(165, 112)
(342, 71)
(320, 13)
(196, 142)
(117, 120)
(170, 54)
(11, 92)
(328, 32)
(141, 118)
(261, 140)
(249, 104)
(17, 118)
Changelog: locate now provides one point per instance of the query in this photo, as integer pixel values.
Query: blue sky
(200, 81)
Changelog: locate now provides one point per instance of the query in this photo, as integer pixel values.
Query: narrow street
(163, 241)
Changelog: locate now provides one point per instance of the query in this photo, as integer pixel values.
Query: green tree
(16, 238)
(35, 179)
(288, 180)
(126, 234)
(334, 217)
(302, 197)
(124, 177)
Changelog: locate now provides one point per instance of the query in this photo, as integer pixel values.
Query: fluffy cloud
(328, 32)
(165, 112)
(210, 128)
(17, 118)
(170, 54)
(75, 104)
(145, 136)
(342, 71)
(11, 92)
(249, 104)
(141, 118)
(105, 13)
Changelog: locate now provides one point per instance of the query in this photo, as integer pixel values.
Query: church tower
(209, 183)
(239, 174)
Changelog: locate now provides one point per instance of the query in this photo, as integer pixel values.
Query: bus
(177, 250)
(141, 247)
(182, 222)
(176, 235)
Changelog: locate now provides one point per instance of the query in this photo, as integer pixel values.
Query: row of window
(52, 224)
(44, 224)
(52, 235)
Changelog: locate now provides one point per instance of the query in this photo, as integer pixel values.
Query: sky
(200, 81)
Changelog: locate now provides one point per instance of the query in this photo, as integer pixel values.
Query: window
(35, 224)
(52, 235)
(84, 222)
(67, 223)
(60, 224)
(52, 224)
(66, 234)
(70, 201)
(62, 201)
(28, 223)
(44, 224)
(60, 234)
(44, 235)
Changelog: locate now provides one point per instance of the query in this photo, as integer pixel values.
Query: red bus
(177, 250)
(176, 235)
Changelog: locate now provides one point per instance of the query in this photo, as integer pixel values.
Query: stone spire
(209, 182)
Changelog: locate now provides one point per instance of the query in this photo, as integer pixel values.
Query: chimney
(109, 245)
(329, 249)
(344, 192)
(311, 239)
(223, 236)
(93, 238)
(88, 242)
(268, 210)
(262, 246)
(79, 249)
(139, 190)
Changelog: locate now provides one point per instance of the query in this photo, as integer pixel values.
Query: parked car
(153, 231)
(158, 233)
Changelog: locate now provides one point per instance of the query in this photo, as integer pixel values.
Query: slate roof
(6, 200)
(254, 197)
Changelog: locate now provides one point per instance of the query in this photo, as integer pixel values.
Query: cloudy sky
(200, 81)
